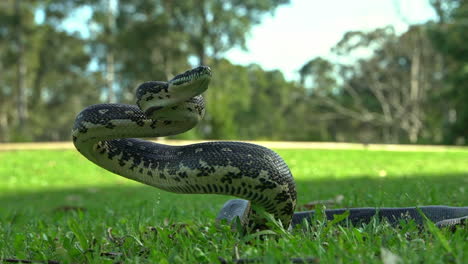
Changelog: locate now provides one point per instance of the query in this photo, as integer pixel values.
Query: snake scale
(108, 135)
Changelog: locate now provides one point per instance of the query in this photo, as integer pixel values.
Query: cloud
(306, 29)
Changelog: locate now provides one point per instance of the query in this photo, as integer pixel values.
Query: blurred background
(370, 71)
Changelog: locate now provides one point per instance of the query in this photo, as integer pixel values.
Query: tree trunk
(4, 132)
(39, 75)
(110, 70)
(110, 77)
(415, 113)
(201, 50)
(21, 96)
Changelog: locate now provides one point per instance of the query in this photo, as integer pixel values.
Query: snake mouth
(199, 73)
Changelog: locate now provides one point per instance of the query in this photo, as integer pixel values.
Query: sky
(305, 29)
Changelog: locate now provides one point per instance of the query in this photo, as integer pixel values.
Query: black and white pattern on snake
(106, 134)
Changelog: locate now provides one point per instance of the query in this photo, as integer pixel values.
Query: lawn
(56, 205)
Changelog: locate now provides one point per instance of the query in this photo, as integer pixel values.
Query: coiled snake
(106, 135)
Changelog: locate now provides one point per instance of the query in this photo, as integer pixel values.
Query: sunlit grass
(56, 205)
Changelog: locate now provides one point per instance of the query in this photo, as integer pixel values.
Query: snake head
(154, 96)
(192, 75)
(192, 82)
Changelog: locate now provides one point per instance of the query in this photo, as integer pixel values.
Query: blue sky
(304, 29)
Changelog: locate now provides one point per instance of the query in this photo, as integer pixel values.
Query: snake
(113, 137)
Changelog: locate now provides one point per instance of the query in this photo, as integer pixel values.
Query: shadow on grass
(156, 205)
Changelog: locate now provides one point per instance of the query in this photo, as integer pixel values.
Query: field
(57, 206)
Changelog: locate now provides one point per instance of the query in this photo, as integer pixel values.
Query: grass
(55, 205)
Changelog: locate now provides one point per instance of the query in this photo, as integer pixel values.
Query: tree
(61, 84)
(215, 26)
(16, 28)
(44, 68)
(449, 35)
(318, 75)
(154, 39)
(50, 72)
(388, 90)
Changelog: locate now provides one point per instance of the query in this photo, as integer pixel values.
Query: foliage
(389, 91)
(377, 87)
(449, 35)
(56, 205)
(129, 42)
(56, 76)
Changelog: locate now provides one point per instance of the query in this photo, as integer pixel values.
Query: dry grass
(269, 144)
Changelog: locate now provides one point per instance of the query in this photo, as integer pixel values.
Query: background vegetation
(411, 88)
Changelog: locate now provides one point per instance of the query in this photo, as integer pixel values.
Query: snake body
(107, 135)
